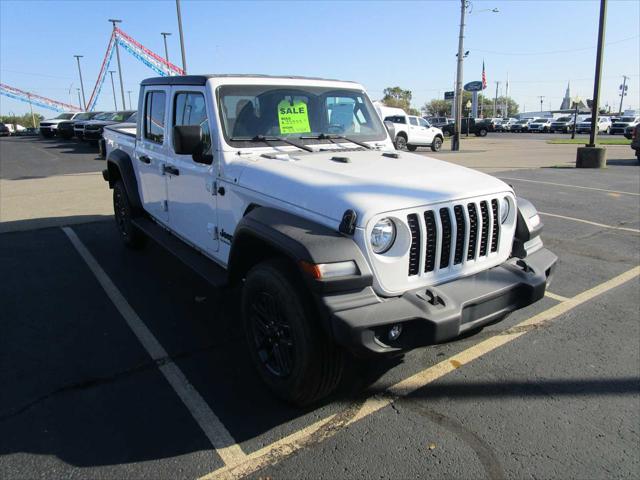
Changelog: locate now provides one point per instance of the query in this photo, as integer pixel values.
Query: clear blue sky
(380, 44)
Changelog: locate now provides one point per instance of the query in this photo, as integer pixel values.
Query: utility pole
(541, 97)
(113, 87)
(505, 112)
(166, 50)
(79, 100)
(623, 92)
(33, 118)
(495, 101)
(184, 60)
(598, 74)
(130, 104)
(84, 101)
(115, 38)
(455, 141)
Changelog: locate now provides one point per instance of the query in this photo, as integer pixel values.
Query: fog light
(394, 332)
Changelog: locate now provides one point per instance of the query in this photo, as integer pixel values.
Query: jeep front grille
(452, 236)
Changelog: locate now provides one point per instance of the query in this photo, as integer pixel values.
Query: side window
(413, 120)
(423, 123)
(190, 108)
(154, 116)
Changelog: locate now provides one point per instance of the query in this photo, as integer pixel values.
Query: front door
(151, 153)
(427, 132)
(191, 186)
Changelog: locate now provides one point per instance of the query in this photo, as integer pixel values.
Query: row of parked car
(609, 125)
(85, 126)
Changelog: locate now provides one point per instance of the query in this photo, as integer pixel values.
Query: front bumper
(92, 134)
(360, 321)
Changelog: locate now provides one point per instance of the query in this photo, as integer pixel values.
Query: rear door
(151, 152)
(191, 186)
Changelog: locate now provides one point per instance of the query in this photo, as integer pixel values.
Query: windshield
(84, 116)
(250, 111)
(121, 116)
(522, 122)
(103, 116)
(563, 119)
(65, 116)
(626, 119)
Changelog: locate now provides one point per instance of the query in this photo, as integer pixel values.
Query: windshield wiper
(326, 136)
(268, 140)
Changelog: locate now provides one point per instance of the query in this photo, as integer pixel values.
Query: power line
(551, 52)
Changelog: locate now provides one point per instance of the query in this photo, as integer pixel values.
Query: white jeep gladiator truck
(290, 188)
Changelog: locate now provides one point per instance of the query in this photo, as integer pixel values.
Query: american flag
(484, 77)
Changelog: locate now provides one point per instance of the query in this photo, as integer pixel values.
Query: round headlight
(504, 209)
(383, 235)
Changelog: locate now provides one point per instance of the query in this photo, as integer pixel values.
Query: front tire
(291, 352)
(412, 148)
(123, 212)
(436, 145)
(482, 132)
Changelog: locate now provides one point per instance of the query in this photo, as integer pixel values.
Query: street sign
(449, 95)
(473, 86)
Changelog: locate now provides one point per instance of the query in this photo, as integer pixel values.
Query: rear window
(396, 119)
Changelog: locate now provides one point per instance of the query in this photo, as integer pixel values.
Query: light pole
(84, 102)
(166, 50)
(80, 101)
(541, 97)
(623, 91)
(33, 118)
(115, 38)
(184, 60)
(129, 93)
(495, 101)
(598, 75)
(113, 87)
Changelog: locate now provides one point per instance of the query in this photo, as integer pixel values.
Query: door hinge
(212, 187)
(213, 230)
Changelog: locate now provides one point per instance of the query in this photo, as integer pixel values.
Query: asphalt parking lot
(117, 363)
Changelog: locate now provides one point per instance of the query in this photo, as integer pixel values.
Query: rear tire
(436, 145)
(290, 350)
(482, 132)
(123, 212)
(401, 142)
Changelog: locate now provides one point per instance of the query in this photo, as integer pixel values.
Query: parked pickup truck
(290, 189)
(476, 126)
(412, 132)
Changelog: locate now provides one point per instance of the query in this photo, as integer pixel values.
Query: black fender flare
(528, 228)
(120, 166)
(300, 240)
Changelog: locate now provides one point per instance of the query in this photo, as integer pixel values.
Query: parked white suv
(413, 132)
(290, 189)
(49, 127)
(603, 125)
(621, 124)
(540, 125)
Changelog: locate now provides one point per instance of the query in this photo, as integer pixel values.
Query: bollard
(591, 157)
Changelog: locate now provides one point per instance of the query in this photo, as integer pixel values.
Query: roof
(202, 79)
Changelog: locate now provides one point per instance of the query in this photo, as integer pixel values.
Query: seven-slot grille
(453, 235)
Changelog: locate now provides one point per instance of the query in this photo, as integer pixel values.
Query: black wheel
(131, 236)
(482, 132)
(291, 352)
(401, 142)
(436, 145)
(412, 148)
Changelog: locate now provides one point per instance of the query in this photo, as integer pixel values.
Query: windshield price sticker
(293, 117)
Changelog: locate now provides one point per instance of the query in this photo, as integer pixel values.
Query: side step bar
(203, 266)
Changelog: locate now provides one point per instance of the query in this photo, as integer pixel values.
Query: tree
(397, 97)
(438, 108)
(24, 120)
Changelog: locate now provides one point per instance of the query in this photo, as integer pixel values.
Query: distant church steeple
(566, 101)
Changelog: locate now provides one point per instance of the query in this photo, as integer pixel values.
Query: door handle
(171, 170)
(144, 159)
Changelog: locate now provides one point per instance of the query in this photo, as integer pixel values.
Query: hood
(99, 123)
(370, 183)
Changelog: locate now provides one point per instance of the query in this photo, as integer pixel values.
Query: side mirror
(187, 140)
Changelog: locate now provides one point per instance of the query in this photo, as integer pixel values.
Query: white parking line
(589, 222)
(570, 186)
(216, 432)
(329, 426)
(555, 296)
